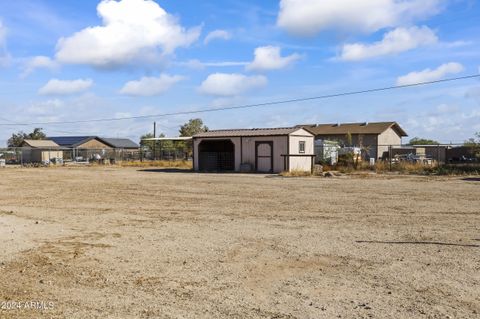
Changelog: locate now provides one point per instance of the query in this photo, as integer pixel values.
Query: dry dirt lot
(127, 243)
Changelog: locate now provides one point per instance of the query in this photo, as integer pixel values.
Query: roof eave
(399, 129)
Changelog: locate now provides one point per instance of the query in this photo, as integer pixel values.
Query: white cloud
(59, 87)
(38, 62)
(269, 58)
(3, 34)
(445, 123)
(4, 55)
(131, 31)
(224, 64)
(149, 86)
(393, 42)
(45, 108)
(430, 75)
(223, 84)
(309, 17)
(217, 34)
(199, 65)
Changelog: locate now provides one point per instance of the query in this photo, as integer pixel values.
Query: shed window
(301, 147)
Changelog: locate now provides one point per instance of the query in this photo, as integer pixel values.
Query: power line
(247, 106)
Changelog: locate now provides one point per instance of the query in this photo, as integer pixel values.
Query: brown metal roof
(40, 143)
(354, 128)
(249, 132)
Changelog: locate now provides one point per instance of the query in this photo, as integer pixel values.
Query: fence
(434, 155)
(46, 156)
(438, 155)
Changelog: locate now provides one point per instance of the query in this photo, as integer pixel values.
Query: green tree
(474, 143)
(146, 144)
(192, 127)
(37, 134)
(16, 140)
(422, 141)
(151, 144)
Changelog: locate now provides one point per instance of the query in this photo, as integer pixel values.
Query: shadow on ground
(414, 243)
(166, 170)
(471, 179)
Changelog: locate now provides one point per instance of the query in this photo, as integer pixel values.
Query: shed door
(264, 157)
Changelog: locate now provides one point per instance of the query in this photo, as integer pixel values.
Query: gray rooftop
(249, 132)
(120, 142)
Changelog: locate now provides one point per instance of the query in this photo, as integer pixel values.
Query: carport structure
(268, 150)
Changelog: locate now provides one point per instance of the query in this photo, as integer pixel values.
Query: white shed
(41, 151)
(270, 150)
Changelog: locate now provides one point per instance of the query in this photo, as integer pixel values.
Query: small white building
(271, 150)
(41, 151)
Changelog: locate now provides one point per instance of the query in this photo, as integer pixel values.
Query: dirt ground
(133, 243)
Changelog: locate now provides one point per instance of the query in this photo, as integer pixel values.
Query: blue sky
(79, 60)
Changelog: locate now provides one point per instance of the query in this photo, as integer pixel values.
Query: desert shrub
(296, 173)
(166, 164)
(421, 169)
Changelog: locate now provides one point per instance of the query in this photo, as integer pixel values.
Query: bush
(296, 173)
(166, 164)
(409, 168)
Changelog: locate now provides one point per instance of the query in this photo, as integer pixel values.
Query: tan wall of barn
(38, 156)
(94, 145)
(245, 150)
(279, 149)
(247, 145)
(389, 137)
(41, 156)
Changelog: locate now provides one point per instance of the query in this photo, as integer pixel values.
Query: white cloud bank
(3, 34)
(393, 42)
(309, 17)
(132, 30)
(60, 87)
(270, 58)
(38, 62)
(217, 34)
(4, 55)
(430, 75)
(199, 65)
(150, 86)
(231, 84)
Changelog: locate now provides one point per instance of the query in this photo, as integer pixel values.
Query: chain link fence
(390, 156)
(331, 153)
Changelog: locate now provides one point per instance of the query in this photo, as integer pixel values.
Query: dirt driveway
(127, 243)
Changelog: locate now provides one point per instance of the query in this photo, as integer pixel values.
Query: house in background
(122, 143)
(95, 142)
(41, 151)
(270, 150)
(377, 137)
(81, 142)
(94, 147)
(124, 147)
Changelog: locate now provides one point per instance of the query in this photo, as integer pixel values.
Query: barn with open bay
(270, 150)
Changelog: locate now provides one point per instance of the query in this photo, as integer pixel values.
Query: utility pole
(154, 142)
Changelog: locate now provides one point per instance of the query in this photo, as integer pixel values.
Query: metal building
(270, 150)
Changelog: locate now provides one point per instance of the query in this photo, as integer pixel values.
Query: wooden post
(438, 155)
(154, 142)
(390, 156)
